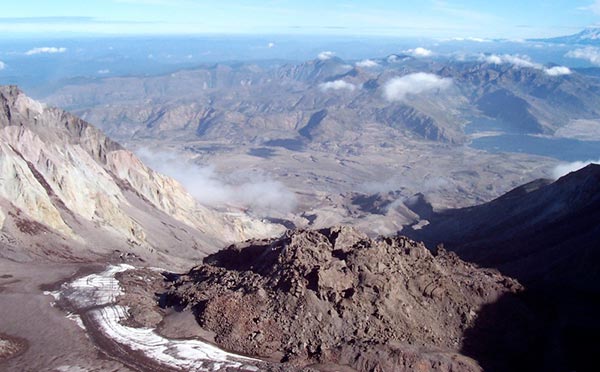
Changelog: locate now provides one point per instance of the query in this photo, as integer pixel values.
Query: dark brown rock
(336, 296)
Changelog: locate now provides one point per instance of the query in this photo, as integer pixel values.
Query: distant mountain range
(589, 36)
(316, 101)
(343, 115)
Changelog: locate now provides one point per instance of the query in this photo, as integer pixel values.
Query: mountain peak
(587, 178)
(10, 90)
(589, 35)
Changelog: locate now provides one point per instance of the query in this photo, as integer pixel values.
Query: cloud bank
(326, 55)
(257, 193)
(367, 63)
(566, 168)
(399, 88)
(45, 50)
(419, 52)
(337, 85)
(590, 54)
(472, 39)
(524, 61)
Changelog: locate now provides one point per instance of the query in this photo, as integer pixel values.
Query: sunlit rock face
(62, 173)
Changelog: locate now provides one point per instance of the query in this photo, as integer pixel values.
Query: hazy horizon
(428, 19)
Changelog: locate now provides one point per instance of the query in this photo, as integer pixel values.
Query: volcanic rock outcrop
(336, 297)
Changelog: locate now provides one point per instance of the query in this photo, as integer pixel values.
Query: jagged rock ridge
(336, 296)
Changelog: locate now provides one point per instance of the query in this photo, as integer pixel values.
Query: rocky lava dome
(336, 296)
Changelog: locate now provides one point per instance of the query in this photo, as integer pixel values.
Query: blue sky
(410, 18)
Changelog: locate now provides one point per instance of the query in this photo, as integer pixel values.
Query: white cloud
(419, 52)
(398, 88)
(393, 58)
(104, 71)
(524, 61)
(492, 59)
(558, 71)
(271, 45)
(521, 61)
(472, 39)
(516, 60)
(2, 65)
(566, 168)
(47, 50)
(337, 85)
(325, 55)
(259, 193)
(590, 54)
(367, 63)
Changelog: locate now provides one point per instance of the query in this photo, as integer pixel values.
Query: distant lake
(560, 148)
(485, 124)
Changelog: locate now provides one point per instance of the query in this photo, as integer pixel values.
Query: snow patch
(77, 319)
(96, 289)
(103, 290)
